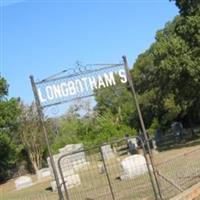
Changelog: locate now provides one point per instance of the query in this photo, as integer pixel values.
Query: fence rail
(99, 176)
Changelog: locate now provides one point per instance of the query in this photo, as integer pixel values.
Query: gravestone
(133, 166)
(177, 130)
(158, 136)
(43, 173)
(23, 182)
(101, 168)
(132, 145)
(74, 160)
(107, 152)
(70, 182)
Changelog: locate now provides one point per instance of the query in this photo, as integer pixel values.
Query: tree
(31, 135)
(105, 128)
(188, 7)
(9, 112)
(167, 75)
(118, 101)
(69, 125)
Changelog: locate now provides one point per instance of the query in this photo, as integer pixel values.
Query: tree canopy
(166, 76)
(167, 80)
(9, 112)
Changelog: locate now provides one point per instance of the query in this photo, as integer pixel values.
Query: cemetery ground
(181, 166)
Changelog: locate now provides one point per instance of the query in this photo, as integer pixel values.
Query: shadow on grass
(189, 142)
(49, 189)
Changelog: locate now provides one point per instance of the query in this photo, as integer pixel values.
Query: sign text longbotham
(69, 88)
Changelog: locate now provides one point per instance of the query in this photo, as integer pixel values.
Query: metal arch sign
(79, 84)
(62, 88)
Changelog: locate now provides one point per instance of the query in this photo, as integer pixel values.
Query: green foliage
(168, 73)
(68, 131)
(171, 108)
(105, 129)
(93, 129)
(9, 112)
(118, 102)
(3, 88)
(166, 76)
(31, 135)
(154, 126)
(8, 156)
(188, 7)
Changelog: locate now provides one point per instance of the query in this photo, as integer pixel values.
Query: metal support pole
(41, 116)
(136, 102)
(62, 176)
(170, 182)
(130, 81)
(148, 167)
(107, 175)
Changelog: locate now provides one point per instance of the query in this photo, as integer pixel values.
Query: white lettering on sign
(40, 96)
(122, 75)
(50, 92)
(64, 89)
(109, 79)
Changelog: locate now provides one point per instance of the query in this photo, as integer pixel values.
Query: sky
(43, 37)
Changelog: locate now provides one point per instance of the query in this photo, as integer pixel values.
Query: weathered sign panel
(67, 88)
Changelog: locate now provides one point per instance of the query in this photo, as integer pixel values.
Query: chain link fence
(179, 172)
(98, 173)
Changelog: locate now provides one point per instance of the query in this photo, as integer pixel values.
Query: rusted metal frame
(104, 164)
(62, 176)
(77, 98)
(41, 117)
(61, 172)
(130, 81)
(107, 174)
(66, 101)
(148, 167)
(170, 181)
(87, 71)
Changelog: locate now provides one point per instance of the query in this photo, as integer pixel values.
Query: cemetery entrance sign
(81, 82)
(66, 88)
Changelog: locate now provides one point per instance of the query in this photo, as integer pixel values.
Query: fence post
(107, 175)
(148, 167)
(130, 82)
(41, 117)
(62, 176)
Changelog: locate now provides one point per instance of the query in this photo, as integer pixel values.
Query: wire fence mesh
(103, 175)
(179, 172)
(93, 174)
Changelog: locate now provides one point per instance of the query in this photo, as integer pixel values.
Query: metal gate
(83, 82)
(101, 177)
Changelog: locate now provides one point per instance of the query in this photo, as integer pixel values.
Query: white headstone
(70, 182)
(70, 163)
(69, 148)
(107, 152)
(133, 166)
(43, 173)
(23, 182)
(74, 160)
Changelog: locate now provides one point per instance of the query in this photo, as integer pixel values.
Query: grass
(177, 165)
